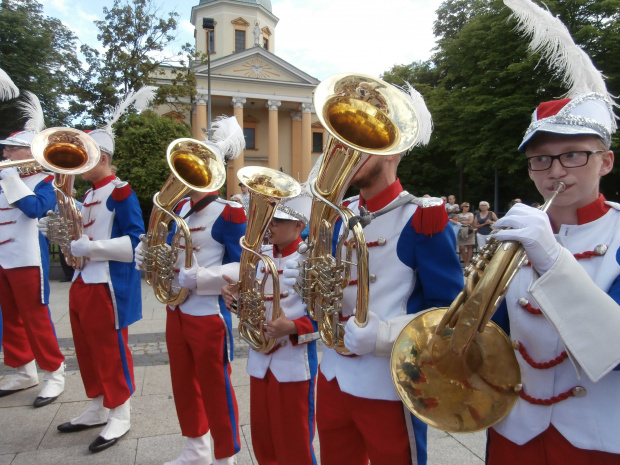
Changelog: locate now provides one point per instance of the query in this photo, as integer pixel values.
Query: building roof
(264, 3)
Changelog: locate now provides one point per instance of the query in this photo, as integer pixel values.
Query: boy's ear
(608, 163)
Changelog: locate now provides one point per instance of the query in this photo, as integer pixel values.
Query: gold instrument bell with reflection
(67, 152)
(194, 166)
(453, 368)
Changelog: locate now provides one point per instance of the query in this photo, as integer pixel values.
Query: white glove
(81, 247)
(42, 224)
(188, 278)
(5, 173)
(138, 255)
(362, 341)
(531, 227)
(290, 273)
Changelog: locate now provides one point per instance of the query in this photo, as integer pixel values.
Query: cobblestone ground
(147, 350)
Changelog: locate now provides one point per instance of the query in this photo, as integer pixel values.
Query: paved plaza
(29, 435)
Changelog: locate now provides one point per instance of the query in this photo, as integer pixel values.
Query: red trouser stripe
(28, 328)
(549, 447)
(102, 352)
(353, 430)
(280, 418)
(203, 394)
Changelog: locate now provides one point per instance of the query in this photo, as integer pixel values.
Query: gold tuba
(193, 166)
(67, 152)
(364, 116)
(452, 367)
(268, 187)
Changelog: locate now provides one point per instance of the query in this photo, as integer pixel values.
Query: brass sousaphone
(453, 368)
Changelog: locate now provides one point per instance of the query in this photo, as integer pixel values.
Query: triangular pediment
(255, 65)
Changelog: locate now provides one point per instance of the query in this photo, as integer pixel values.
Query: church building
(270, 97)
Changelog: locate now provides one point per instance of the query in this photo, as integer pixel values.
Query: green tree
(40, 54)
(140, 153)
(135, 38)
(481, 87)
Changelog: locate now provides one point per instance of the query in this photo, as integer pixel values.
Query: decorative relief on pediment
(256, 68)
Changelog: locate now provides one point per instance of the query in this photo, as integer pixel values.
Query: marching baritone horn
(194, 166)
(453, 368)
(66, 152)
(268, 188)
(364, 117)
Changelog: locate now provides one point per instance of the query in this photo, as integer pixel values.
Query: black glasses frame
(559, 158)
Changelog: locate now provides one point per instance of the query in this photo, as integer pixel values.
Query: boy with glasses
(563, 311)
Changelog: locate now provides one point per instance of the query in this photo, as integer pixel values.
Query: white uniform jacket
(580, 316)
(23, 201)
(216, 230)
(294, 357)
(413, 271)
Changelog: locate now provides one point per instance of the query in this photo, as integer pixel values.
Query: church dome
(264, 3)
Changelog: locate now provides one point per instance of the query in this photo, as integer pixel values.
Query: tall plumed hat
(296, 209)
(105, 136)
(227, 139)
(588, 108)
(35, 123)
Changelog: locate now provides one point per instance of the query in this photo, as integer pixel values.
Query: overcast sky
(321, 37)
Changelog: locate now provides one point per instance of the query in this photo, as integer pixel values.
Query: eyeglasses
(463, 206)
(567, 160)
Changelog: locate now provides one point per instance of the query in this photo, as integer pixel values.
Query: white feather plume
(228, 137)
(8, 89)
(552, 39)
(424, 116)
(141, 98)
(31, 107)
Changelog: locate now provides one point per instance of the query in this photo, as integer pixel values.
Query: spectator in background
(466, 237)
(483, 222)
(453, 210)
(243, 198)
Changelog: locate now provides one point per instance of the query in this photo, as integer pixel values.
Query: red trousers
(354, 430)
(203, 394)
(548, 448)
(282, 421)
(28, 329)
(102, 352)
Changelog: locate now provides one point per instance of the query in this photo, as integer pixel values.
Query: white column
(273, 105)
(306, 139)
(232, 186)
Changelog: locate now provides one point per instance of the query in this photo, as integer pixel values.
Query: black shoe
(100, 443)
(71, 428)
(42, 401)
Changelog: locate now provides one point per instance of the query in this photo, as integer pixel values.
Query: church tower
(270, 97)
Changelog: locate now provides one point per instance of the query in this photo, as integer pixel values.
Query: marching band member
(563, 311)
(199, 330)
(105, 296)
(282, 380)
(411, 252)
(24, 265)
